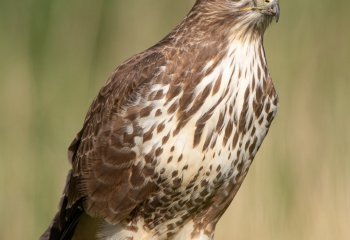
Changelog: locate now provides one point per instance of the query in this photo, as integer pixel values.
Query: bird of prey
(170, 137)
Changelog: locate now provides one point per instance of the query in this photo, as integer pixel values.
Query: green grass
(55, 55)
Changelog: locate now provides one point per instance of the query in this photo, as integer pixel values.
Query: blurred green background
(56, 54)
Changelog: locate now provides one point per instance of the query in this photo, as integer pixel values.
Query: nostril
(267, 1)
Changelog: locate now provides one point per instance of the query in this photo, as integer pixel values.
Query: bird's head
(259, 10)
(248, 15)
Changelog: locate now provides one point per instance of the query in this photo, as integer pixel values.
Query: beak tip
(277, 18)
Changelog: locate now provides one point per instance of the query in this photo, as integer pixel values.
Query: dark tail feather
(64, 223)
(67, 234)
(71, 208)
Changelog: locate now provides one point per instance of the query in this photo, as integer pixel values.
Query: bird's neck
(247, 56)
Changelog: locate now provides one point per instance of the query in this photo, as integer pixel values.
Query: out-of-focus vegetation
(56, 54)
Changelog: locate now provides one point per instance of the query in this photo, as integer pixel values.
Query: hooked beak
(274, 10)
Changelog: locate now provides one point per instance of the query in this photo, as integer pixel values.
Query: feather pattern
(169, 139)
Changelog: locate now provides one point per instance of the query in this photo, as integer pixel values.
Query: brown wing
(108, 180)
(104, 163)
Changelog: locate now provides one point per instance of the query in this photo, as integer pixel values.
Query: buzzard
(170, 137)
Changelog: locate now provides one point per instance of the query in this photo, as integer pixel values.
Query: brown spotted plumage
(169, 139)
